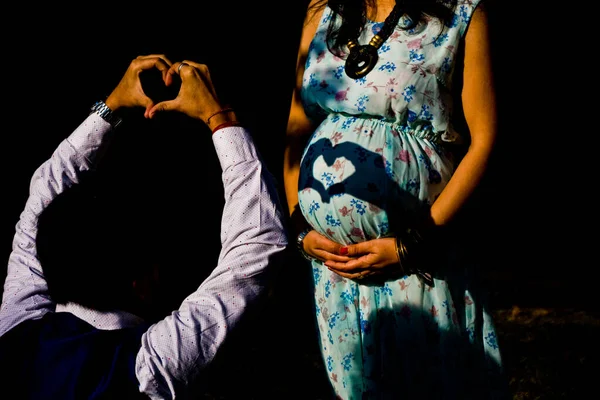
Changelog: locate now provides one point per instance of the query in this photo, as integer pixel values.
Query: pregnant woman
(373, 181)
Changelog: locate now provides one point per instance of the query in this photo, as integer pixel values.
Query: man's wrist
(104, 111)
(221, 117)
(112, 103)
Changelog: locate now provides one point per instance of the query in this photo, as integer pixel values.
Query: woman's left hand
(369, 259)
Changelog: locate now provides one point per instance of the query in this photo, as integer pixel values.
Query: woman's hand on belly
(322, 248)
(369, 259)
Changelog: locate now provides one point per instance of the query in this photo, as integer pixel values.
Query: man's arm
(25, 291)
(253, 239)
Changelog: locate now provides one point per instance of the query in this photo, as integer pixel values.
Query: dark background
(532, 219)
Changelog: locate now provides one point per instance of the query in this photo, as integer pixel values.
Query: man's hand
(129, 92)
(197, 97)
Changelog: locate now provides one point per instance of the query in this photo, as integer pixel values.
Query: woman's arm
(299, 127)
(479, 106)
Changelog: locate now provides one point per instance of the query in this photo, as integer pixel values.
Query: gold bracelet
(401, 253)
(223, 110)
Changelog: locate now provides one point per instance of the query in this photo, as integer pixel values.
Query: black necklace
(362, 58)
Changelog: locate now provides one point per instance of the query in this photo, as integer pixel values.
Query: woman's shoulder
(463, 12)
(314, 18)
(315, 12)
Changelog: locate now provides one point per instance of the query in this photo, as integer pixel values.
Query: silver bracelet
(300, 244)
(106, 113)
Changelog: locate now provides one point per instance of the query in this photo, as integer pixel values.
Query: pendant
(361, 61)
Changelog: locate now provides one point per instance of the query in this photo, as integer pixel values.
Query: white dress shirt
(174, 350)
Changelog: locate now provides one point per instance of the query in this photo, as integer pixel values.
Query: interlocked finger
(362, 275)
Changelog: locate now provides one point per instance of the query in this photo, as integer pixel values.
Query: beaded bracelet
(221, 111)
(225, 125)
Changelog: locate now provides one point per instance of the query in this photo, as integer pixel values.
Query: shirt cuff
(89, 136)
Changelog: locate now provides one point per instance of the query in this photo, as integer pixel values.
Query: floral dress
(378, 156)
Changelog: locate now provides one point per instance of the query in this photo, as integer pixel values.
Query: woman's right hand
(323, 248)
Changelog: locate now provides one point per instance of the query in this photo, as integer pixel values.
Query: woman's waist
(341, 124)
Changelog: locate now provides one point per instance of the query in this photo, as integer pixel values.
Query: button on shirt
(175, 349)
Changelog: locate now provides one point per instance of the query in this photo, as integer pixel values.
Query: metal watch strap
(106, 113)
(299, 244)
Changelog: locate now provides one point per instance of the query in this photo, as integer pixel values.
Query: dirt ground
(549, 353)
(549, 339)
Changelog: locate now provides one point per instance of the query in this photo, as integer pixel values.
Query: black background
(532, 215)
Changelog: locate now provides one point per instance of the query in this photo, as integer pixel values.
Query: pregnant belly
(362, 179)
(349, 193)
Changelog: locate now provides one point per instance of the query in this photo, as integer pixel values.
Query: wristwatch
(300, 242)
(106, 113)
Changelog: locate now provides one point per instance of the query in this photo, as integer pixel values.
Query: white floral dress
(377, 156)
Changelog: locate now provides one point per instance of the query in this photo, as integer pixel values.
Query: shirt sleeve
(253, 239)
(25, 293)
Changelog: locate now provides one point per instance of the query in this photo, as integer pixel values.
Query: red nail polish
(343, 250)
